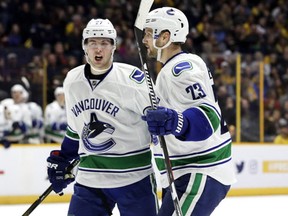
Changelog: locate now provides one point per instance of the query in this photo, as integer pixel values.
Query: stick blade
(143, 11)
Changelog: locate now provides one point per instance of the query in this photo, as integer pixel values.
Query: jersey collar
(172, 57)
(91, 77)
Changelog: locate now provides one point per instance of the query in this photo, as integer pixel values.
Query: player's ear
(113, 50)
(165, 35)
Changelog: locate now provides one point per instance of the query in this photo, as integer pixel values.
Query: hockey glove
(63, 126)
(59, 126)
(5, 143)
(36, 123)
(164, 121)
(19, 126)
(57, 171)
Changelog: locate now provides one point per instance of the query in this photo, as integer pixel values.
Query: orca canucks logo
(94, 135)
(181, 67)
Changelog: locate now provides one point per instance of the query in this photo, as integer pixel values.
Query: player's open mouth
(98, 58)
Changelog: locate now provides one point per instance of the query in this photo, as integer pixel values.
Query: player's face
(148, 42)
(100, 51)
(17, 96)
(61, 99)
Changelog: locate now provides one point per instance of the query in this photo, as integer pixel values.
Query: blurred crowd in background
(40, 41)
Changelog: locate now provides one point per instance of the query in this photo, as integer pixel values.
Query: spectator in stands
(12, 66)
(24, 17)
(72, 47)
(249, 123)
(229, 111)
(271, 100)
(59, 51)
(3, 80)
(52, 72)
(271, 117)
(282, 137)
(14, 36)
(222, 95)
(227, 77)
(35, 72)
(285, 107)
(3, 36)
(284, 97)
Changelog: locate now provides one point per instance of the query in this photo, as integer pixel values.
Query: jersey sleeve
(193, 95)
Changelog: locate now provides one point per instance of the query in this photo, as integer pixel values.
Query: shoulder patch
(181, 67)
(137, 76)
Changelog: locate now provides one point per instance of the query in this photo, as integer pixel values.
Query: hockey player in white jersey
(196, 135)
(18, 115)
(104, 103)
(35, 133)
(55, 118)
(11, 127)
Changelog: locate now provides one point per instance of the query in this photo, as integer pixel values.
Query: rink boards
(261, 169)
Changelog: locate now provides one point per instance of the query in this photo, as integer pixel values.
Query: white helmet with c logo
(171, 19)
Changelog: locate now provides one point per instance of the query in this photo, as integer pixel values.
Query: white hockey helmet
(99, 28)
(20, 88)
(171, 19)
(17, 87)
(59, 90)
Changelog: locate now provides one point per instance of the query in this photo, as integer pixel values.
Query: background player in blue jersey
(104, 104)
(196, 135)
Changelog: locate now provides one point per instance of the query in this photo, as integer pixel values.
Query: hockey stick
(47, 192)
(143, 11)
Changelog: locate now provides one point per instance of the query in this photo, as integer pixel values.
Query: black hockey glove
(19, 126)
(57, 172)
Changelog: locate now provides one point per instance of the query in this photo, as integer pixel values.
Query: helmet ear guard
(101, 28)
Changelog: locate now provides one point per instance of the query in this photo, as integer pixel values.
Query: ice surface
(236, 206)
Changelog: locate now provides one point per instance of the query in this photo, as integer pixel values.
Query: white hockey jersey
(185, 82)
(5, 124)
(54, 114)
(35, 133)
(16, 113)
(114, 142)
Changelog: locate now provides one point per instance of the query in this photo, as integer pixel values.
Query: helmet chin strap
(159, 49)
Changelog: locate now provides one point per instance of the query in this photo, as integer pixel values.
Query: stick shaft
(46, 192)
(138, 29)
(38, 201)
